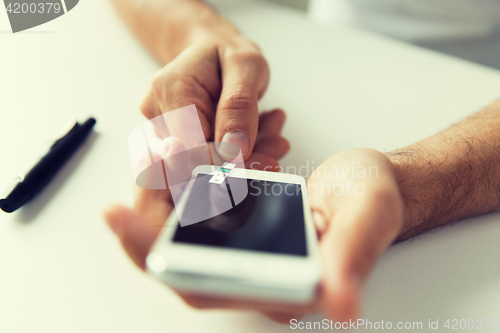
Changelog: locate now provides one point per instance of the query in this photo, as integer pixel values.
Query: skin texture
(447, 177)
(208, 63)
(451, 175)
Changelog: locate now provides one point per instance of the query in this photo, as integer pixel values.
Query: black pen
(27, 187)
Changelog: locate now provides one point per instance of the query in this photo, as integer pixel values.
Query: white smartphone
(263, 247)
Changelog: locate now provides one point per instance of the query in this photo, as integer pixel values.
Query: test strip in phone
(220, 175)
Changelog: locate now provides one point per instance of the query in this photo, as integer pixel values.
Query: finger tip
(281, 112)
(279, 115)
(343, 304)
(114, 216)
(277, 111)
(262, 162)
(272, 166)
(110, 212)
(286, 147)
(283, 318)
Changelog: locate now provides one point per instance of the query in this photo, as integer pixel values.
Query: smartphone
(260, 244)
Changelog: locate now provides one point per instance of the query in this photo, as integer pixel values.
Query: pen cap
(19, 195)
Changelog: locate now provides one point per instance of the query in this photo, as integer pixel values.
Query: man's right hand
(224, 77)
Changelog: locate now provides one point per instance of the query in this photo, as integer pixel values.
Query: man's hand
(224, 78)
(449, 176)
(137, 228)
(208, 63)
(358, 212)
(354, 228)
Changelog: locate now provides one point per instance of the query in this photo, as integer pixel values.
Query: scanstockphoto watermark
(430, 324)
(327, 324)
(330, 180)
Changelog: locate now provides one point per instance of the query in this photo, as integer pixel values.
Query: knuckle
(246, 43)
(237, 100)
(248, 56)
(146, 109)
(170, 85)
(158, 83)
(181, 85)
(257, 60)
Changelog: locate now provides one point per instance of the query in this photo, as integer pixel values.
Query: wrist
(404, 170)
(214, 28)
(207, 24)
(437, 185)
(423, 188)
(194, 22)
(451, 175)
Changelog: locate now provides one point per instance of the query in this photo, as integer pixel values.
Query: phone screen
(269, 219)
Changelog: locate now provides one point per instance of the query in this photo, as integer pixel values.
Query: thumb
(135, 233)
(245, 77)
(356, 237)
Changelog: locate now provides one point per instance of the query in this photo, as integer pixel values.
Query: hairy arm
(452, 175)
(167, 27)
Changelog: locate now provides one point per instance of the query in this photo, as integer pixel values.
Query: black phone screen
(270, 219)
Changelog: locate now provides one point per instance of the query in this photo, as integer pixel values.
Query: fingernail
(236, 137)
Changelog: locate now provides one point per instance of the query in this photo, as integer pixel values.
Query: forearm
(451, 175)
(166, 27)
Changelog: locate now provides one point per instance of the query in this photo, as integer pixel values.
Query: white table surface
(62, 270)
